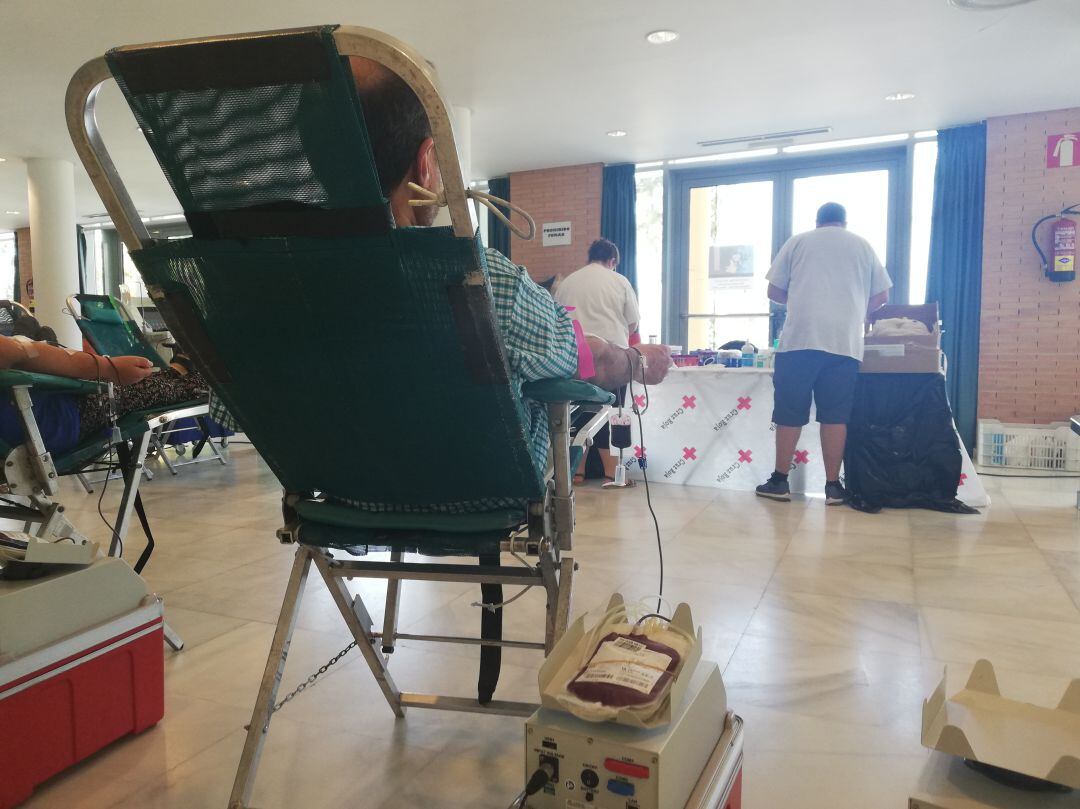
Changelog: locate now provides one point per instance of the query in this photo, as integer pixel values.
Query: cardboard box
(979, 724)
(913, 354)
(562, 665)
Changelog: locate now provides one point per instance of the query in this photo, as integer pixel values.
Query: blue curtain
(498, 233)
(955, 273)
(618, 216)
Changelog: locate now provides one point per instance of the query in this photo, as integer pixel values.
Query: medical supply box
(81, 665)
(910, 354)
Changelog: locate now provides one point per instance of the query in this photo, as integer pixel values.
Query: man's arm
(777, 295)
(876, 302)
(615, 366)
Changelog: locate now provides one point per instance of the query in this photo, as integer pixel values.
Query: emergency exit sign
(1063, 151)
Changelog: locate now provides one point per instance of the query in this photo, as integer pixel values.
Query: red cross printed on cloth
(963, 477)
(639, 451)
(746, 456)
(689, 453)
(689, 402)
(639, 400)
(802, 456)
(744, 402)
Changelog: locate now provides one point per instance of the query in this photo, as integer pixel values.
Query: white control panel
(609, 766)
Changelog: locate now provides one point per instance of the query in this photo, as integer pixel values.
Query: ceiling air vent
(986, 5)
(768, 138)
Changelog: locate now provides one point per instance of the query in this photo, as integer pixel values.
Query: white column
(53, 249)
(462, 117)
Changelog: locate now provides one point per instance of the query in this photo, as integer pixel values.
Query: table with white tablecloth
(712, 426)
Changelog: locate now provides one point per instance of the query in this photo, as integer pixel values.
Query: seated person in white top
(606, 306)
(604, 302)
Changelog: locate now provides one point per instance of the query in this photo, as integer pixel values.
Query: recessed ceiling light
(617, 133)
(661, 37)
(3, 159)
(899, 96)
(12, 213)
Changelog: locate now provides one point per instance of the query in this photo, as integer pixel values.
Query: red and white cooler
(81, 666)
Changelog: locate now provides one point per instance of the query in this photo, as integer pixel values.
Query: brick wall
(26, 266)
(566, 194)
(1030, 327)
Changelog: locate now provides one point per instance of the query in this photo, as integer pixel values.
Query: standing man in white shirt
(830, 280)
(604, 302)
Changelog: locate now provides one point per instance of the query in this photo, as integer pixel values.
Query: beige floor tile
(873, 548)
(822, 519)
(1023, 644)
(196, 627)
(1056, 539)
(1036, 595)
(805, 618)
(824, 781)
(844, 579)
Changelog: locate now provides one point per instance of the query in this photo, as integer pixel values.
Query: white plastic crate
(1040, 448)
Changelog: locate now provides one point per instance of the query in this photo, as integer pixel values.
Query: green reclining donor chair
(397, 357)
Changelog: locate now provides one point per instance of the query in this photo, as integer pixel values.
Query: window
(924, 165)
(7, 266)
(650, 252)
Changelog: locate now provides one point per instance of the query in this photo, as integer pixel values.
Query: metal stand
(556, 576)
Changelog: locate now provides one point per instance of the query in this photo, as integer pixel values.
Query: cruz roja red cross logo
(744, 402)
(689, 453)
(639, 451)
(802, 456)
(746, 456)
(689, 402)
(639, 400)
(963, 477)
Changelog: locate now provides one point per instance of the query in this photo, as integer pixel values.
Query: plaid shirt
(538, 335)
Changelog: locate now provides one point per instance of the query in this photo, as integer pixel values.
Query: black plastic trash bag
(902, 449)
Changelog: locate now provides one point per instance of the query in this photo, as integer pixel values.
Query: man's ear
(427, 165)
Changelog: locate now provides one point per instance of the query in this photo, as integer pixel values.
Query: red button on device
(622, 768)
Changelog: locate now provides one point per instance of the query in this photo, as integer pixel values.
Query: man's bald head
(396, 122)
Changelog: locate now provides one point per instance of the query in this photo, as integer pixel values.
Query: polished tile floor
(831, 626)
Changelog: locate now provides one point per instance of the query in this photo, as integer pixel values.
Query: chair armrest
(566, 390)
(10, 379)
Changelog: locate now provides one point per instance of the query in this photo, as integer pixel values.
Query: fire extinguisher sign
(1063, 151)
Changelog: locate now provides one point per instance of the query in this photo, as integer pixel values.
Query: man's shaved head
(396, 122)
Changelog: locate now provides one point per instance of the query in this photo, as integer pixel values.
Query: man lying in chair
(537, 331)
(65, 419)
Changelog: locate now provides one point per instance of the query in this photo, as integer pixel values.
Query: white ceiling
(547, 79)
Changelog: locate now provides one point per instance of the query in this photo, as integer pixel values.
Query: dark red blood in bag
(621, 696)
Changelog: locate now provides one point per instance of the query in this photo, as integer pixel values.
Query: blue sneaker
(835, 494)
(775, 488)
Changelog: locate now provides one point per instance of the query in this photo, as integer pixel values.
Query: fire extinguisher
(1063, 240)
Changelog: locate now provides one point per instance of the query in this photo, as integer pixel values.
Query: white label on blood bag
(626, 663)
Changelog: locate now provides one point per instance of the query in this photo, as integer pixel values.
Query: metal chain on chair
(310, 680)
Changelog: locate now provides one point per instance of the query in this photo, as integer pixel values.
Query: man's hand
(125, 370)
(657, 362)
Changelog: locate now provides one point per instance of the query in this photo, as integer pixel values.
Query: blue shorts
(802, 376)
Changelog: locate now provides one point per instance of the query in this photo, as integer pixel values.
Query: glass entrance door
(730, 249)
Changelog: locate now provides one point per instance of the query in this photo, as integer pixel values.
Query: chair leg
(361, 632)
(393, 604)
(271, 679)
(176, 643)
(131, 464)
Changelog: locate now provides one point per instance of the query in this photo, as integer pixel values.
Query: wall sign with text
(555, 234)
(1063, 151)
